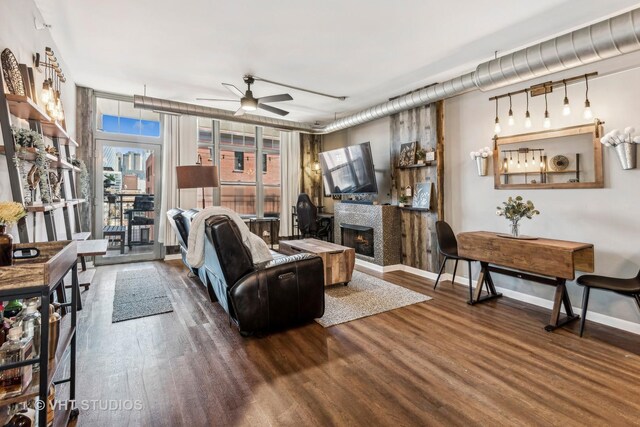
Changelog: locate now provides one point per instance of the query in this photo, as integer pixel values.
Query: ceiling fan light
(248, 104)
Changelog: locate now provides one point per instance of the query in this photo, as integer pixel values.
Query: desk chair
(308, 222)
(627, 287)
(448, 247)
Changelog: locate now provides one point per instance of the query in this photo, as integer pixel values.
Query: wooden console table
(546, 261)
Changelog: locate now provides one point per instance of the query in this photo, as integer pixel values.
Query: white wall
(607, 217)
(18, 33)
(378, 133)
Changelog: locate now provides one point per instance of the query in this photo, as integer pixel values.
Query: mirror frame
(594, 129)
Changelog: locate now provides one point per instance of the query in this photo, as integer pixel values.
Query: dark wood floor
(441, 362)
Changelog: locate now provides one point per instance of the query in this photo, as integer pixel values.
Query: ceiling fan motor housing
(248, 102)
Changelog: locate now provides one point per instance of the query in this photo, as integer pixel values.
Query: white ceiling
(368, 50)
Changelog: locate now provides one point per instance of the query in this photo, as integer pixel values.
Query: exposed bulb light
(527, 115)
(497, 128)
(511, 120)
(510, 158)
(505, 164)
(518, 160)
(587, 113)
(526, 163)
(547, 121)
(45, 95)
(566, 109)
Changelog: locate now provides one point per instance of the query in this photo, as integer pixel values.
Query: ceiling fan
(249, 103)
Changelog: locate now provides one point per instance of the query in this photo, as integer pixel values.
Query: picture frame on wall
(408, 153)
(422, 197)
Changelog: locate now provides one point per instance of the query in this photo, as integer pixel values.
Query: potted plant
(482, 160)
(402, 200)
(421, 154)
(514, 209)
(10, 213)
(625, 145)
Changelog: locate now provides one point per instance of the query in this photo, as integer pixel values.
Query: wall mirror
(570, 157)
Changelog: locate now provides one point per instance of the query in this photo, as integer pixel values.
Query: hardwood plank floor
(441, 362)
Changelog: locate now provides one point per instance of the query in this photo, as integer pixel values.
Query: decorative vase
(482, 163)
(627, 154)
(515, 229)
(6, 247)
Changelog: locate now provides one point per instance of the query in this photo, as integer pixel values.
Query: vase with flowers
(514, 209)
(10, 213)
(625, 145)
(482, 160)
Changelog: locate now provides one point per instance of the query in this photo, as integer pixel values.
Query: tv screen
(348, 170)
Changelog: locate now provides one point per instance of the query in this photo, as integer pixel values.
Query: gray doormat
(139, 293)
(364, 296)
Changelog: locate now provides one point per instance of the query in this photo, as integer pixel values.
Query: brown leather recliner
(277, 294)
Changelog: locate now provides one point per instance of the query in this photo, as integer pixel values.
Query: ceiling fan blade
(273, 109)
(234, 90)
(276, 98)
(240, 112)
(217, 99)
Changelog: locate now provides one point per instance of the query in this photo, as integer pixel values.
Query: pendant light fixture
(518, 160)
(511, 120)
(566, 109)
(526, 162)
(547, 121)
(587, 114)
(510, 158)
(527, 115)
(497, 129)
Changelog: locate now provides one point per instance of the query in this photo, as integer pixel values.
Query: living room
(330, 214)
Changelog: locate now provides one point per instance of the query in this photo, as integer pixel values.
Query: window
(238, 165)
(115, 116)
(237, 155)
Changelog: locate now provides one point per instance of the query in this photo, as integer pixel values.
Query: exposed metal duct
(175, 107)
(605, 39)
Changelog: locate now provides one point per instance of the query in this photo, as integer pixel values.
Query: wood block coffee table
(338, 260)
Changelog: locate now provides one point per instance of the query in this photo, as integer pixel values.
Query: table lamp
(197, 176)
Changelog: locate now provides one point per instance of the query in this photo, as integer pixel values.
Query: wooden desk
(546, 261)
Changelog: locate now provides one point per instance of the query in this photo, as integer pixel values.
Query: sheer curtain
(179, 148)
(290, 179)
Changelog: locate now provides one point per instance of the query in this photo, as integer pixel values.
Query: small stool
(627, 287)
(115, 230)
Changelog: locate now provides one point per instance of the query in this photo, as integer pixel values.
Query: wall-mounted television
(348, 170)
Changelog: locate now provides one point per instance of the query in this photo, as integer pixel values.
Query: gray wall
(607, 217)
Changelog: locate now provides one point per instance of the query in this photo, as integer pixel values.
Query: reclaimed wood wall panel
(85, 116)
(419, 248)
(311, 181)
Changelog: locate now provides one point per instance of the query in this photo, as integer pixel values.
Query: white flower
(499, 213)
(472, 155)
(628, 130)
(487, 149)
(485, 155)
(614, 133)
(636, 139)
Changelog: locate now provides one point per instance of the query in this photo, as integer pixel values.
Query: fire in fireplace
(358, 237)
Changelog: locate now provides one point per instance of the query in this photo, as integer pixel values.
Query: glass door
(128, 200)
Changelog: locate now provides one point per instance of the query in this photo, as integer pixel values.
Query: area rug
(364, 296)
(139, 293)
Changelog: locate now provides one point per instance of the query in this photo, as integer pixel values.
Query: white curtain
(290, 179)
(179, 148)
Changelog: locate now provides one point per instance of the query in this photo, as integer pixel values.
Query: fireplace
(358, 237)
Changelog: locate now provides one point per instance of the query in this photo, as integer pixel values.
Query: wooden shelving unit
(416, 166)
(41, 277)
(24, 108)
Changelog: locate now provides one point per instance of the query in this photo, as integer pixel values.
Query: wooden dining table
(546, 261)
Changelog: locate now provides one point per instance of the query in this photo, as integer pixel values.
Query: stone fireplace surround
(385, 221)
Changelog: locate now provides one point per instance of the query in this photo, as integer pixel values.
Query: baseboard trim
(603, 319)
(172, 257)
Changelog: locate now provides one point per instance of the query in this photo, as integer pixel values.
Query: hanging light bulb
(526, 163)
(45, 95)
(510, 158)
(547, 121)
(527, 116)
(505, 165)
(587, 114)
(497, 129)
(518, 160)
(511, 120)
(566, 109)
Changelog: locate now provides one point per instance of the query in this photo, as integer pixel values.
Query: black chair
(448, 247)
(308, 223)
(627, 287)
